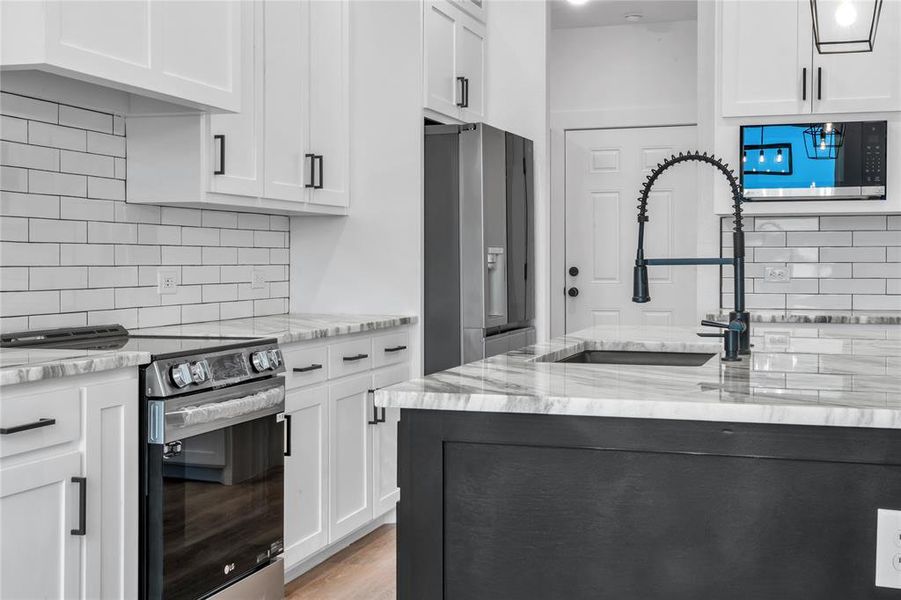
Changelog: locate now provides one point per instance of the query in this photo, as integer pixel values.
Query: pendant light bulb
(762, 157)
(744, 156)
(822, 144)
(779, 155)
(828, 128)
(846, 14)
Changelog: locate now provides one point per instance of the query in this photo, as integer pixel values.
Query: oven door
(214, 489)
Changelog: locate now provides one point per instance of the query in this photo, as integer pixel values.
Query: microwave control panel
(873, 155)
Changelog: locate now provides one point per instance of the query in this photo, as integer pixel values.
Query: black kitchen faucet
(737, 334)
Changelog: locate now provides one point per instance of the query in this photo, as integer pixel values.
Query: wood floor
(365, 570)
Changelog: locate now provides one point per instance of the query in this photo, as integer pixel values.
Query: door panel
(39, 557)
(441, 89)
(306, 474)
(349, 456)
(329, 99)
(385, 492)
(604, 173)
(471, 64)
(763, 74)
(286, 100)
(869, 81)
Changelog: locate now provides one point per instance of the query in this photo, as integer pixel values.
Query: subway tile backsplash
(73, 252)
(835, 264)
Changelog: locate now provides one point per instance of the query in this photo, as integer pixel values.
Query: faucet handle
(706, 323)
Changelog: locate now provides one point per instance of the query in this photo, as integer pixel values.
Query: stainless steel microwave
(814, 161)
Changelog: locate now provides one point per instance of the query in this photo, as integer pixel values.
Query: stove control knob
(180, 374)
(260, 361)
(275, 358)
(199, 372)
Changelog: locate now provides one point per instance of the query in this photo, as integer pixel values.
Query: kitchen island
(522, 477)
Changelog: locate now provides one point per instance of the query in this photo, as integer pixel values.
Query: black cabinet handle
(819, 83)
(376, 419)
(804, 83)
(466, 94)
(312, 367)
(34, 425)
(321, 159)
(82, 505)
(395, 349)
(312, 158)
(462, 101)
(288, 435)
(357, 357)
(221, 139)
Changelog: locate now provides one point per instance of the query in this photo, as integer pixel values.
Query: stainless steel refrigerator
(478, 230)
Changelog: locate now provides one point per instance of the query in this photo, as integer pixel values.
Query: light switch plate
(888, 548)
(167, 282)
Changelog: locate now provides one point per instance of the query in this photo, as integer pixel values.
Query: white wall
(371, 260)
(607, 77)
(516, 88)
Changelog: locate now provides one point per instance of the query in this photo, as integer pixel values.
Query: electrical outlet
(257, 279)
(776, 274)
(888, 548)
(166, 282)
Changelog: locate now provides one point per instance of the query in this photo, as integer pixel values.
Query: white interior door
(605, 169)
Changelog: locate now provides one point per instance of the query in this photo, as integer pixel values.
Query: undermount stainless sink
(624, 357)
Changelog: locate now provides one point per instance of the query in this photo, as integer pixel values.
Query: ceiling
(597, 13)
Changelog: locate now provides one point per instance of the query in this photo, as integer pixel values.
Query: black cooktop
(114, 337)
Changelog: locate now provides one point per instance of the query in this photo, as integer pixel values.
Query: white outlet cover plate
(888, 548)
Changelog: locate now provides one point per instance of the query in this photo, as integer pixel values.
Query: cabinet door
(470, 44)
(111, 457)
(286, 99)
(239, 153)
(385, 492)
(442, 91)
(349, 456)
(330, 100)
(867, 81)
(766, 57)
(306, 473)
(39, 556)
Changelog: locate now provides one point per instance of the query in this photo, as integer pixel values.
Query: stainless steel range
(212, 448)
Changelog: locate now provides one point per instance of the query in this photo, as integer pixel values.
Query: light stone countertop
(835, 375)
(806, 316)
(27, 365)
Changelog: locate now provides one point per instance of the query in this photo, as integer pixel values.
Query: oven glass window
(222, 506)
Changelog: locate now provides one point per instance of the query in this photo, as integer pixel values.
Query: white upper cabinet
(288, 150)
(454, 61)
(185, 52)
(862, 82)
(770, 65)
(476, 8)
(766, 58)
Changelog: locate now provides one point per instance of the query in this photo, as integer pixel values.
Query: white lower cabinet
(69, 503)
(306, 473)
(341, 474)
(385, 492)
(350, 503)
(39, 557)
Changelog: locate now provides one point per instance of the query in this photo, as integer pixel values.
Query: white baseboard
(292, 572)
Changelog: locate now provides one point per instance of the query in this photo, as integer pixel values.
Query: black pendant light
(845, 26)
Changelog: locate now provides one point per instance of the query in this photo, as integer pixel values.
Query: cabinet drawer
(312, 362)
(350, 357)
(390, 349)
(39, 420)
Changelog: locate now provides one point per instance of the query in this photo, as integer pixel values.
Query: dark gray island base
(518, 506)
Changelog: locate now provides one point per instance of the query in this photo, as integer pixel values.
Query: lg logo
(228, 568)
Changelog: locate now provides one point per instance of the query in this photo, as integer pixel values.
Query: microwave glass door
(813, 161)
(222, 506)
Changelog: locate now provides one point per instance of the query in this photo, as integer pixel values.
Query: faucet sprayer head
(640, 291)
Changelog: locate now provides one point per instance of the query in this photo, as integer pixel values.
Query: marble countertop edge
(69, 366)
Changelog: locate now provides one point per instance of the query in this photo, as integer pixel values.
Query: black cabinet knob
(573, 292)
(574, 271)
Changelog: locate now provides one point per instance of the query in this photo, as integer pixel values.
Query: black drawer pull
(82, 505)
(27, 426)
(357, 357)
(319, 184)
(312, 367)
(395, 349)
(221, 139)
(376, 419)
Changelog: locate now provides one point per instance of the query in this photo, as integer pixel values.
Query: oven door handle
(230, 406)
